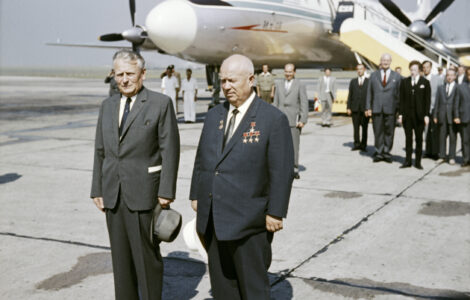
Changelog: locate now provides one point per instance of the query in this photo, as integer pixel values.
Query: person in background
(265, 86)
(431, 131)
(113, 87)
(169, 86)
(399, 70)
(415, 100)
(461, 78)
(356, 106)
(291, 98)
(383, 96)
(443, 115)
(189, 90)
(327, 95)
(462, 117)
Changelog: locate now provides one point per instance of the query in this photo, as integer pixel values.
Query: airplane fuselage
(268, 31)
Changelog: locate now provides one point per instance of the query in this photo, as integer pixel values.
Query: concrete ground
(355, 229)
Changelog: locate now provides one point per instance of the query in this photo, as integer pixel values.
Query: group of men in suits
(240, 188)
(418, 100)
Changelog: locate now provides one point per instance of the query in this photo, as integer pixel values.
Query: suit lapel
(136, 108)
(115, 120)
(242, 127)
(219, 137)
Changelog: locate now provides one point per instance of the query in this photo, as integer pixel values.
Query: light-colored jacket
(293, 103)
(321, 92)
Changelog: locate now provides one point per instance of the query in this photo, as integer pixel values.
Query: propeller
(437, 10)
(396, 11)
(136, 35)
(422, 28)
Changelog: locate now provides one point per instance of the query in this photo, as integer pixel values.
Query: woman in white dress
(189, 88)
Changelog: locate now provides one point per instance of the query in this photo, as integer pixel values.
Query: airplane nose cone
(172, 25)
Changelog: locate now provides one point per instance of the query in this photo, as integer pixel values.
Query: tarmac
(355, 229)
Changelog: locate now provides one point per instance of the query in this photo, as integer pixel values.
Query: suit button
(216, 173)
(210, 195)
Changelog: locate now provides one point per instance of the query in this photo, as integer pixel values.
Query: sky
(26, 25)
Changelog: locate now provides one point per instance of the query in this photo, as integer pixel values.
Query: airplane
(275, 32)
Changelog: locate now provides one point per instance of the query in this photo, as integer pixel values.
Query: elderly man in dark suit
(241, 184)
(135, 168)
(383, 95)
(462, 117)
(443, 115)
(415, 100)
(291, 99)
(356, 106)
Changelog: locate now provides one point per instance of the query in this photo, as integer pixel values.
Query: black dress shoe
(465, 164)
(388, 160)
(355, 148)
(377, 159)
(296, 175)
(363, 148)
(418, 166)
(405, 165)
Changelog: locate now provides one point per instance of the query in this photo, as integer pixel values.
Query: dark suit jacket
(382, 99)
(150, 139)
(462, 103)
(247, 180)
(422, 98)
(357, 95)
(444, 106)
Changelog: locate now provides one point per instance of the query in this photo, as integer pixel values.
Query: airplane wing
(460, 48)
(89, 45)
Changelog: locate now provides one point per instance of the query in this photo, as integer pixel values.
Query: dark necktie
(231, 125)
(127, 108)
(384, 82)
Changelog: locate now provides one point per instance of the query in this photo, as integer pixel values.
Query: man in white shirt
(327, 95)
(189, 89)
(169, 86)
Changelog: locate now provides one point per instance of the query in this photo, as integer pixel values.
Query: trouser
(359, 120)
(410, 125)
(295, 131)
(137, 264)
(384, 129)
(465, 130)
(432, 140)
(266, 96)
(445, 130)
(326, 105)
(239, 269)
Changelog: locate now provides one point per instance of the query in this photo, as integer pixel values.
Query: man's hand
(300, 124)
(194, 205)
(457, 120)
(349, 112)
(165, 203)
(273, 223)
(426, 120)
(435, 120)
(272, 95)
(99, 203)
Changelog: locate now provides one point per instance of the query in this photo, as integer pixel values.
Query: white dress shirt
(241, 112)
(288, 84)
(449, 87)
(382, 74)
(360, 79)
(414, 80)
(460, 78)
(122, 105)
(326, 79)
